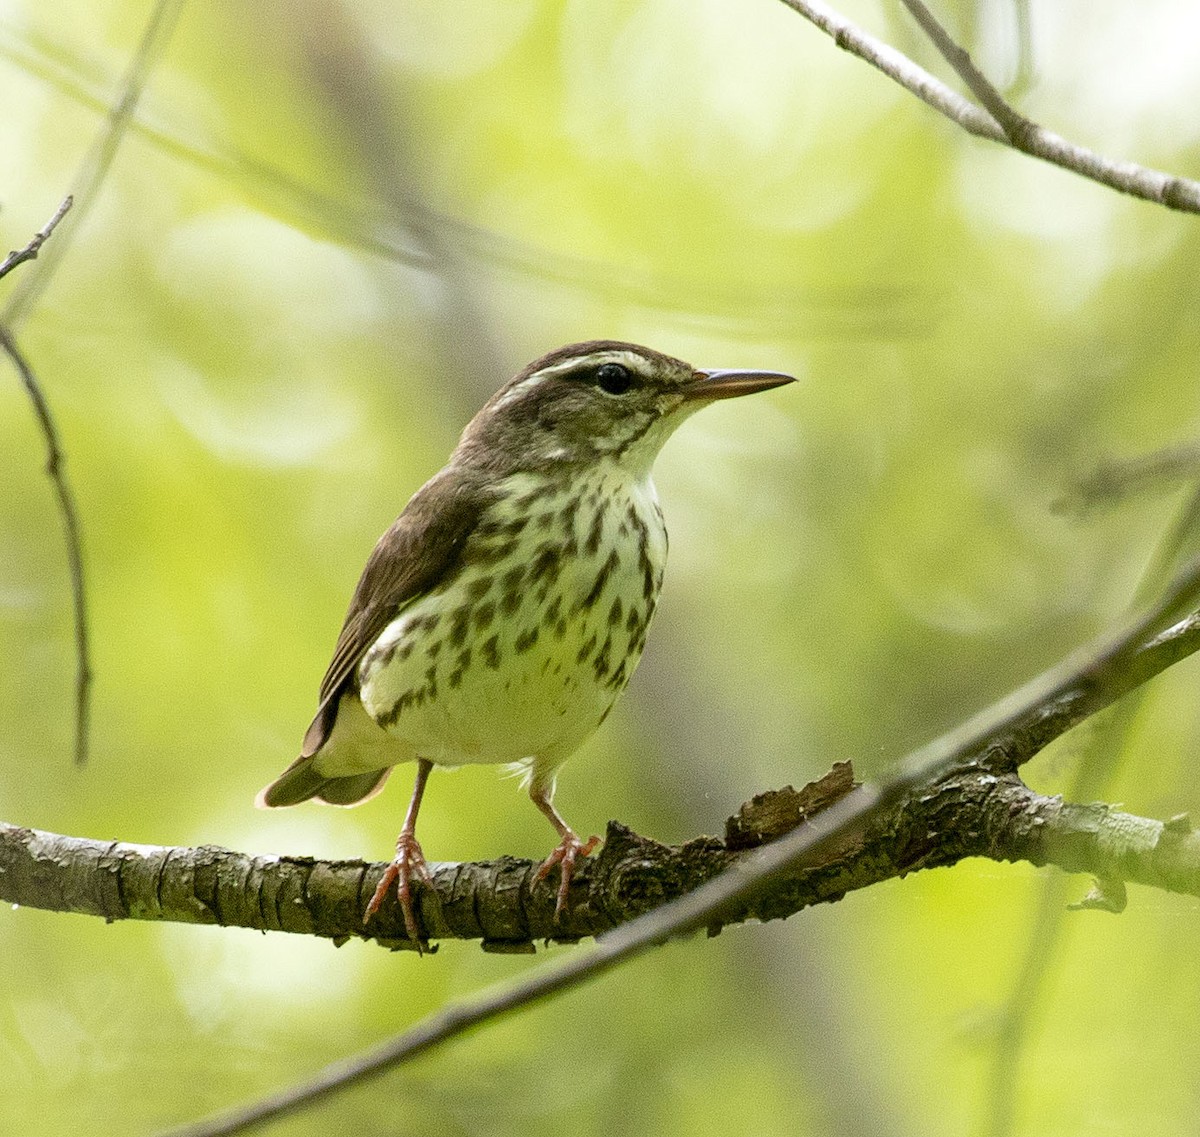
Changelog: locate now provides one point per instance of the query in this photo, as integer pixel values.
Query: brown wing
(420, 550)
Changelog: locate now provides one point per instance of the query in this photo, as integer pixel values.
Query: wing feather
(422, 550)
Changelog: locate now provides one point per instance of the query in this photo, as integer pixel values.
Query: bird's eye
(613, 378)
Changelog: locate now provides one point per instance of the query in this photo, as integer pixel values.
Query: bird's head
(596, 401)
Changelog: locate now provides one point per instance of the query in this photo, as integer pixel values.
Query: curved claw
(409, 860)
(570, 849)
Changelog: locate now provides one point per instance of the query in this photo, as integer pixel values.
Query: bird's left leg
(409, 859)
(570, 847)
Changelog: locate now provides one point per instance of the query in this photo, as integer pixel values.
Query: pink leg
(409, 860)
(570, 848)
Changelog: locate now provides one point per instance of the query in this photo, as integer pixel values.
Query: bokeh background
(329, 232)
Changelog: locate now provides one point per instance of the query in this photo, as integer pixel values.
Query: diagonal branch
(1128, 177)
(96, 164)
(30, 251)
(976, 814)
(1014, 125)
(958, 796)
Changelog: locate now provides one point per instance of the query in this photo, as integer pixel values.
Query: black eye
(613, 378)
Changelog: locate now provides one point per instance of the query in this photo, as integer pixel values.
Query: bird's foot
(570, 849)
(409, 860)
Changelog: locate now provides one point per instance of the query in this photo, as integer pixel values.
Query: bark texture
(972, 813)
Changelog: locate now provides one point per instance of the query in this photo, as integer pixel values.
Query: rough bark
(960, 796)
(973, 813)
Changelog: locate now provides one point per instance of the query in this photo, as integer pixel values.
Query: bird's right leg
(409, 859)
(571, 848)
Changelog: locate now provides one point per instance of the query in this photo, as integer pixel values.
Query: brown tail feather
(300, 782)
(353, 791)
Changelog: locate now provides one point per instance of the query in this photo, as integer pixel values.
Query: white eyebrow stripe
(630, 359)
(516, 392)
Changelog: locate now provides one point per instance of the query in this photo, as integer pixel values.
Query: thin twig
(1014, 124)
(90, 177)
(30, 252)
(55, 469)
(98, 160)
(1104, 669)
(1127, 177)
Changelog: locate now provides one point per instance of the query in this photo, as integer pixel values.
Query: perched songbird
(502, 614)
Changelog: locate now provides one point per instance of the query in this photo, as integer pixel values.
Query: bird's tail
(300, 781)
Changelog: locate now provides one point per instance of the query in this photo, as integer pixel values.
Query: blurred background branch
(377, 137)
(1114, 481)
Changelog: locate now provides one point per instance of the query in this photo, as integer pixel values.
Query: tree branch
(55, 463)
(958, 796)
(56, 471)
(31, 250)
(499, 903)
(1095, 769)
(99, 158)
(973, 813)
(1128, 177)
(1014, 125)
(90, 177)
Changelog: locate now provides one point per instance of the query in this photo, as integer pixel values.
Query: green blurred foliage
(254, 347)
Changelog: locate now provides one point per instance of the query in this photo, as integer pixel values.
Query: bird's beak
(730, 384)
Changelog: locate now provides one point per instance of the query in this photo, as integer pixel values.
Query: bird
(504, 611)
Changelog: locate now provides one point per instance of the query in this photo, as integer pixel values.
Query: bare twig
(1127, 177)
(96, 164)
(1014, 124)
(30, 252)
(90, 177)
(55, 469)
(1084, 682)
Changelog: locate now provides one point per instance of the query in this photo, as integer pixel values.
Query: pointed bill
(710, 385)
